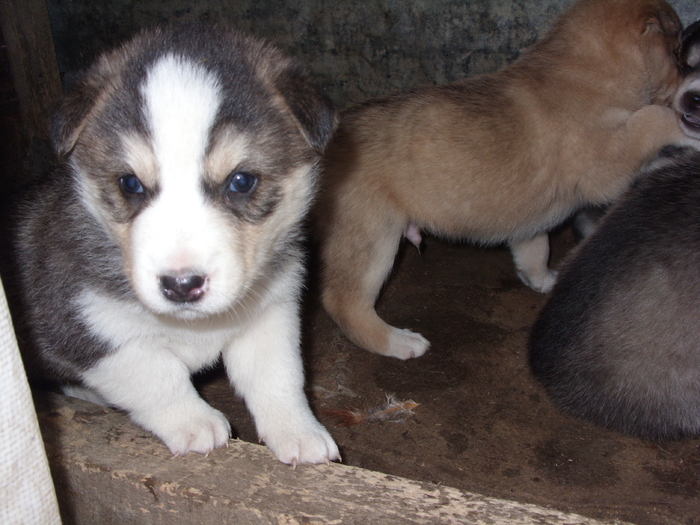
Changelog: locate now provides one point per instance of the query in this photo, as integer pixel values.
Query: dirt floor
(482, 423)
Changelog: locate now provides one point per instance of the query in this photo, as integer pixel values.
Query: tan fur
(502, 157)
(230, 150)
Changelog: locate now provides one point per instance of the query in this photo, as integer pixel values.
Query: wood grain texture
(107, 470)
(27, 31)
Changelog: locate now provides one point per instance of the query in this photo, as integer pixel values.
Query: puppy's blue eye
(131, 184)
(242, 182)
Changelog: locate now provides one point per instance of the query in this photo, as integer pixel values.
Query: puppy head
(196, 150)
(632, 43)
(687, 99)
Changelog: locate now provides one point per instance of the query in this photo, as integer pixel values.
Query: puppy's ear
(664, 21)
(313, 110)
(72, 112)
(84, 96)
(690, 46)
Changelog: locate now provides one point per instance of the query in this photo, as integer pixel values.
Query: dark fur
(617, 342)
(65, 242)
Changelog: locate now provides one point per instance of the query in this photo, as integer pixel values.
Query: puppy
(687, 98)
(617, 342)
(499, 158)
(169, 236)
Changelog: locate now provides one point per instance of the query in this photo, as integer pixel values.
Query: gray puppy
(617, 342)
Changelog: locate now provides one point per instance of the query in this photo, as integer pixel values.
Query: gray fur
(60, 247)
(617, 342)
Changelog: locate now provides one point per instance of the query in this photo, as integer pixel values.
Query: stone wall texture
(354, 49)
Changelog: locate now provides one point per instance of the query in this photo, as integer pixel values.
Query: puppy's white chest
(197, 343)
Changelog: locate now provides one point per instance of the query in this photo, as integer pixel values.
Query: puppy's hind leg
(531, 257)
(357, 261)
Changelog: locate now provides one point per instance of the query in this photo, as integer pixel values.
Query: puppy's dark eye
(131, 185)
(241, 183)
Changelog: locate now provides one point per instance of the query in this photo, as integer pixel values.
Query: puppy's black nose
(183, 289)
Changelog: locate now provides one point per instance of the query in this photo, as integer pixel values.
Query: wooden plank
(107, 470)
(27, 31)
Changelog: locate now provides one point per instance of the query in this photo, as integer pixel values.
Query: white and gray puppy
(169, 236)
(617, 343)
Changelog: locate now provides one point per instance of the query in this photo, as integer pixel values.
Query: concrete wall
(354, 49)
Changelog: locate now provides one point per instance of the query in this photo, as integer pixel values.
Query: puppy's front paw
(304, 445)
(197, 428)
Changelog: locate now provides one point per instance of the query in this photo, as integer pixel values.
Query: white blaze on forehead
(180, 231)
(181, 99)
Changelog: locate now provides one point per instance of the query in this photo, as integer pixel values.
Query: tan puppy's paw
(530, 257)
(542, 282)
(404, 344)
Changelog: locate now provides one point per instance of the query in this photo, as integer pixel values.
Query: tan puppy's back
(503, 157)
(412, 149)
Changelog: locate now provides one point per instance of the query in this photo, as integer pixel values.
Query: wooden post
(27, 31)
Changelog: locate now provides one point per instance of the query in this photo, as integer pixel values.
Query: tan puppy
(498, 158)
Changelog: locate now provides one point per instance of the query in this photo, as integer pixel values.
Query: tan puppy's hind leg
(352, 284)
(531, 258)
(365, 328)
